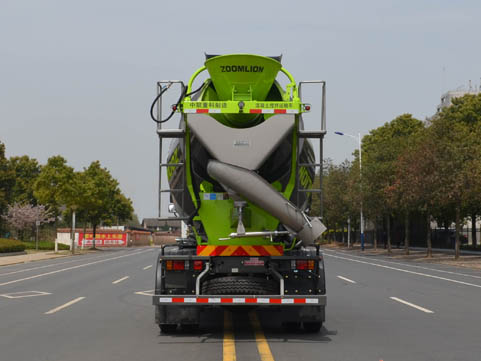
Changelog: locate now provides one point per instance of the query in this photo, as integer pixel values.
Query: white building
(447, 98)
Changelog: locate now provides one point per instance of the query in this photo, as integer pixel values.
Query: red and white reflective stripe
(202, 110)
(239, 300)
(274, 111)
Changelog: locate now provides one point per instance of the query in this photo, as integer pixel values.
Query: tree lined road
(98, 307)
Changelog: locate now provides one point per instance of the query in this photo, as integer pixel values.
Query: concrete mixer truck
(240, 171)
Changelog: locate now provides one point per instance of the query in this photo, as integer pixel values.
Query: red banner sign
(103, 239)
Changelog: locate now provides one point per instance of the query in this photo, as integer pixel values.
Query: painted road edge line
(71, 268)
(411, 305)
(120, 280)
(70, 303)
(346, 279)
(262, 345)
(147, 267)
(409, 265)
(403, 270)
(228, 345)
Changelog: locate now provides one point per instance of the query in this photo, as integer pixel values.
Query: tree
(7, 180)
(338, 195)
(23, 217)
(26, 172)
(53, 185)
(467, 110)
(380, 150)
(458, 146)
(102, 200)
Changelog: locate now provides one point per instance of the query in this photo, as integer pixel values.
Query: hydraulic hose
(174, 108)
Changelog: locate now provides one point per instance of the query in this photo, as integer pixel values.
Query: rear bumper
(236, 300)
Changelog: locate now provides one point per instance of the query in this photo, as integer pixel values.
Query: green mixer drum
(242, 76)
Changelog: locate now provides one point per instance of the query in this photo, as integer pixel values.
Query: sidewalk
(468, 259)
(31, 257)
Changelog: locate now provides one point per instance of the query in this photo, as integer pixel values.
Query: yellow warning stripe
(207, 251)
(229, 250)
(251, 251)
(272, 250)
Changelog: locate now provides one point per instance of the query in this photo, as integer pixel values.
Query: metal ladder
(313, 134)
(169, 134)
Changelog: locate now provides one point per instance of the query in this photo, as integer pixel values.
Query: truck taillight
(304, 264)
(198, 265)
(168, 265)
(180, 265)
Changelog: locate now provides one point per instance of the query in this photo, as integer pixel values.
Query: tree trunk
(428, 236)
(458, 228)
(389, 248)
(406, 232)
(375, 234)
(343, 235)
(473, 230)
(93, 235)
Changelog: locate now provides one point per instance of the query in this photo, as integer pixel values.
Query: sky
(77, 77)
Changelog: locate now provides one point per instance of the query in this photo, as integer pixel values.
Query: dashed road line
(145, 293)
(404, 270)
(70, 303)
(346, 279)
(147, 267)
(70, 268)
(120, 280)
(411, 305)
(262, 344)
(228, 346)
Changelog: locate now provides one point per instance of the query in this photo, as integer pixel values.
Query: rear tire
(238, 285)
(312, 327)
(168, 327)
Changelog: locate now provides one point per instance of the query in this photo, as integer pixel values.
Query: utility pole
(360, 182)
(73, 232)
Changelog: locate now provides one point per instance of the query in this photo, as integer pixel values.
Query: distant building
(155, 225)
(447, 98)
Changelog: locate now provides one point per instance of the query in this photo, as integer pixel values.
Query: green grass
(11, 245)
(45, 245)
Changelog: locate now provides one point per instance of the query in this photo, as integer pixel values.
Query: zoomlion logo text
(241, 68)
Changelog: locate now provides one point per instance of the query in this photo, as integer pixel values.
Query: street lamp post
(360, 179)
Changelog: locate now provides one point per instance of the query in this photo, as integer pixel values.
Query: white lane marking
(145, 293)
(120, 280)
(147, 267)
(411, 305)
(70, 303)
(346, 279)
(410, 265)
(405, 271)
(24, 294)
(70, 268)
(48, 265)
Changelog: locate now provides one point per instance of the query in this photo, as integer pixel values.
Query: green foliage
(380, 151)
(26, 171)
(53, 186)
(11, 245)
(341, 194)
(45, 246)
(102, 200)
(7, 181)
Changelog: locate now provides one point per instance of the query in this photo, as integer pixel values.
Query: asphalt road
(97, 307)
